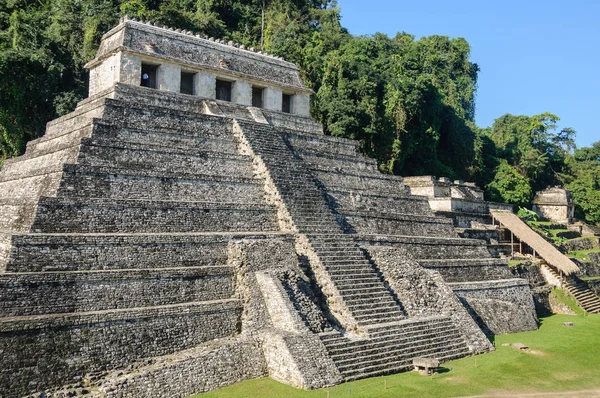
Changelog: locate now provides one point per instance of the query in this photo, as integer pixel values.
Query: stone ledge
(488, 285)
(459, 263)
(151, 204)
(395, 216)
(113, 275)
(391, 239)
(34, 322)
(162, 175)
(162, 149)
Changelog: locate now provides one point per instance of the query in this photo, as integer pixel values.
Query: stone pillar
(168, 77)
(131, 69)
(119, 67)
(301, 105)
(205, 85)
(272, 99)
(241, 93)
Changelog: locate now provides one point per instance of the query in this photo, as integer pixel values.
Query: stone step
(354, 282)
(435, 324)
(79, 118)
(365, 320)
(342, 273)
(124, 155)
(29, 165)
(461, 262)
(73, 252)
(381, 347)
(110, 216)
(402, 365)
(429, 247)
(375, 309)
(345, 347)
(121, 113)
(368, 358)
(343, 261)
(322, 144)
(94, 341)
(365, 305)
(82, 291)
(29, 188)
(45, 145)
(359, 289)
(122, 183)
(338, 274)
(174, 140)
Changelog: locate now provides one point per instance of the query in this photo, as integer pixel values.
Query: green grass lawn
(560, 358)
(582, 254)
(514, 263)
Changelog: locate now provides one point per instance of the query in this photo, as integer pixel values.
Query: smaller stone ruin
(555, 204)
(461, 201)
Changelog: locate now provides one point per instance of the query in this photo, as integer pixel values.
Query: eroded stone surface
(158, 243)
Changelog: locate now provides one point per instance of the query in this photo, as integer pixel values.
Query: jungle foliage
(410, 102)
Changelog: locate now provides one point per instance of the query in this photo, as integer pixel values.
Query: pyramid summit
(189, 226)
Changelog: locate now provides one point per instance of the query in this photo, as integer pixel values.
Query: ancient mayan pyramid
(189, 226)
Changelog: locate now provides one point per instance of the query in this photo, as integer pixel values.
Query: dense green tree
(509, 186)
(410, 103)
(583, 181)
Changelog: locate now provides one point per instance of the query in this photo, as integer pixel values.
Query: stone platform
(167, 243)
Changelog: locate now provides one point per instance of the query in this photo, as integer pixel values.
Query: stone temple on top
(189, 226)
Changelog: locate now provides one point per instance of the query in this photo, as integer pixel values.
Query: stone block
(272, 98)
(205, 85)
(169, 77)
(241, 93)
(301, 105)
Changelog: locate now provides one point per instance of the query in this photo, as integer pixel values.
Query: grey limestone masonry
(156, 243)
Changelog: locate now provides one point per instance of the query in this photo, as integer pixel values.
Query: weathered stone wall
(207, 367)
(293, 353)
(51, 292)
(430, 248)
(499, 307)
(36, 253)
(373, 222)
(464, 272)
(77, 215)
(55, 349)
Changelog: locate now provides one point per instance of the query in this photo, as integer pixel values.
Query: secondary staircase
(391, 347)
(584, 296)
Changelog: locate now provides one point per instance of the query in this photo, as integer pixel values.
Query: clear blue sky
(534, 55)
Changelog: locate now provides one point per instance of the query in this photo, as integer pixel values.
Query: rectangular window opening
(257, 97)
(148, 77)
(187, 83)
(286, 103)
(223, 90)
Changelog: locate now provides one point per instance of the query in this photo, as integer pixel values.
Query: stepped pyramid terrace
(189, 226)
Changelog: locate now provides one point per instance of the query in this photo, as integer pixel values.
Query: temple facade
(555, 204)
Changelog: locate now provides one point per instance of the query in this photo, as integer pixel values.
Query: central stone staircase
(386, 341)
(366, 297)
